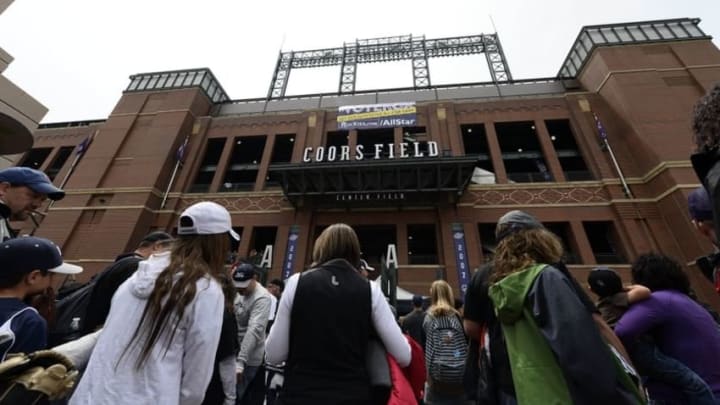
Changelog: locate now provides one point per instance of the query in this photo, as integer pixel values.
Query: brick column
(222, 164)
(495, 153)
(548, 150)
(264, 162)
(584, 248)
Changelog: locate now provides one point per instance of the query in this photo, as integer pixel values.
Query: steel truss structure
(405, 47)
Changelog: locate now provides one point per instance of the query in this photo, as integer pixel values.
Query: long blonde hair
(442, 300)
(192, 258)
(337, 241)
(524, 248)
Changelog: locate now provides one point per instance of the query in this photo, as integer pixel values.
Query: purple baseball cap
(699, 205)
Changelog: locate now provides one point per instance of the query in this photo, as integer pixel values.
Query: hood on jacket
(143, 281)
(508, 295)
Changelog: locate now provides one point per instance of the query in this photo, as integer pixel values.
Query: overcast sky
(75, 56)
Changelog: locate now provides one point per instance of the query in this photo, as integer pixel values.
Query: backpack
(447, 350)
(70, 316)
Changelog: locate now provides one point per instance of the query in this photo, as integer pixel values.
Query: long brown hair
(442, 299)
(524, 248)
(192, 258)
(337, 241)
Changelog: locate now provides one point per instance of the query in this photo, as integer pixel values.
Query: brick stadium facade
(537, 137)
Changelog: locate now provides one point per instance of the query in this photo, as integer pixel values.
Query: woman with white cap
(160, 338)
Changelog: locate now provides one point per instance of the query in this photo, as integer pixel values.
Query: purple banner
(461, 258)
(290, 253)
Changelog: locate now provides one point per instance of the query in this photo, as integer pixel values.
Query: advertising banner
(461, 258)
(369, 116)
(291, 252)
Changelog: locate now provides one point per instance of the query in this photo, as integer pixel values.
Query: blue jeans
(247, 378)
(654, 364)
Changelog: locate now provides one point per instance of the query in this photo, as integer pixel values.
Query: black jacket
(108, 281)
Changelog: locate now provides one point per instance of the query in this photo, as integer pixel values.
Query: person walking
(556, 353)
(412, 323)
(326, 317)
(159, 341)
(446, 348)
(252, 307)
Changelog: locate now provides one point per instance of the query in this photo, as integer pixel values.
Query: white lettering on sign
(370, 197)
(391, 257)
(392, 151)
(267, 257)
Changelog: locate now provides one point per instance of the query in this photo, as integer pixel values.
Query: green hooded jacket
(556, 353)
(536, 374)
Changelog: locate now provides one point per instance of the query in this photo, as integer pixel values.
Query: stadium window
(242, 170)
(604, 241)
(562, 230)
(568, 153)
(475, 144)
(36, 157)
(282, 153)
(521, 153)
(416, 134)
(487, 240)
(261, 237)
(235, 245)
(60, 158)
(336, 138)
(369, 137)
(208, 167)
(374, 241)
(422, 244)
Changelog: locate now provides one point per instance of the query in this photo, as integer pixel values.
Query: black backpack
(70, 313)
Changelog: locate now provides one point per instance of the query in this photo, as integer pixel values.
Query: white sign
(404, 150)
(391, 257)
(267, 257)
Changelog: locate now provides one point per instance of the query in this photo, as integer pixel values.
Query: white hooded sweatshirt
(179, 375)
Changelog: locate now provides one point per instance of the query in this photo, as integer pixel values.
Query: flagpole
(172, 180)
(606, 145)
(626, 189)
(72, 167)
(179, 157)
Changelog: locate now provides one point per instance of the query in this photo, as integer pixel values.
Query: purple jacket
(682, 329)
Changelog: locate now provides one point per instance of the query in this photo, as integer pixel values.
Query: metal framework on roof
(179, 79)
(592, 36)
(388, 49)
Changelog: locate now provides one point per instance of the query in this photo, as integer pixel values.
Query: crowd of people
(169, 323)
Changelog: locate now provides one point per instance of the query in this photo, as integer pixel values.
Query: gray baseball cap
(514, 221)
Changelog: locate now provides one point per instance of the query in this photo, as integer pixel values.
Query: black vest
(329, 330)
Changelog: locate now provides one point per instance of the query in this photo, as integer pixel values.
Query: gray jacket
(251, 314)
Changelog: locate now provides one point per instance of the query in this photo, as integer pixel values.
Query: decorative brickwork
(564, 195)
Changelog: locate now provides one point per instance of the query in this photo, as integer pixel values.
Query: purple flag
(180, 154)
(85, 144)
(600, 127)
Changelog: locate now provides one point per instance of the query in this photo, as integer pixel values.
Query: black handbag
(378, 372)
(478, 380)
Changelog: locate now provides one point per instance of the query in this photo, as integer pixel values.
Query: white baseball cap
(206, 218)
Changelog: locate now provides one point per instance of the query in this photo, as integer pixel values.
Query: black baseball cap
(278, 282)
(242, 275)
(157, 236)
(33, 179)
(25, 254)
(604, 282)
